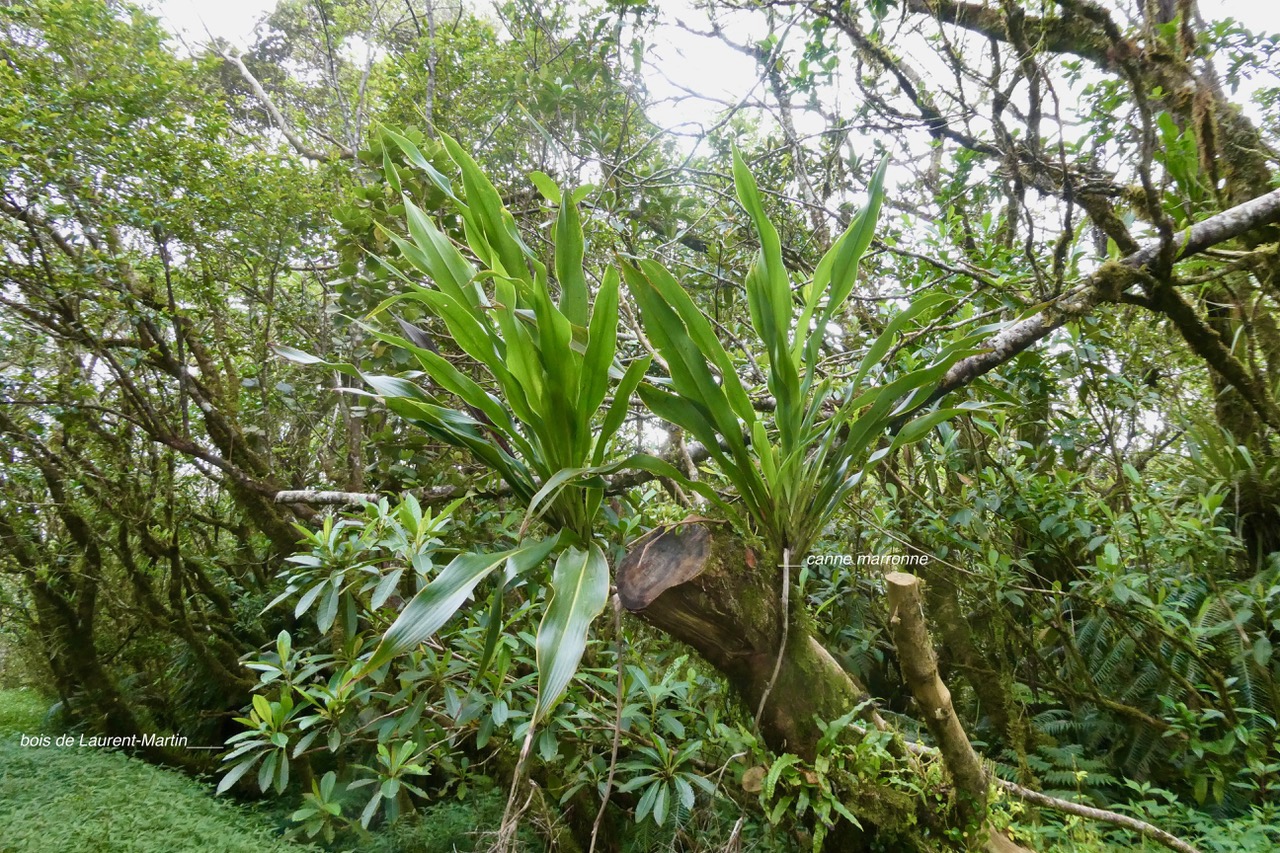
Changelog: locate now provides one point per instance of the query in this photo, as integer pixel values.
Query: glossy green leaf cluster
(793, 473)
(544, 365)
(548, 367)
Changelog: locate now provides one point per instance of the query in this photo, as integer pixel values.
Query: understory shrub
(463, 826)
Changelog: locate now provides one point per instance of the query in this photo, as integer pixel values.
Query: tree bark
(704, 587)
(1107, 285)
(920, 671)
(701, 587)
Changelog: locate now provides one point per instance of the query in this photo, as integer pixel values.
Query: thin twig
(734, 843)
(619, 700)
(786, 624)
(511, 816)
(1141, 827)
(278, 118)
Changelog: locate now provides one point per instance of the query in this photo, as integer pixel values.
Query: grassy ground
(55, 799)
(21, 711)
(68, 799)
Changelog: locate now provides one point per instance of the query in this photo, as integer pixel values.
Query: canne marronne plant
(552, 394)
(537, 416)
(791, 470)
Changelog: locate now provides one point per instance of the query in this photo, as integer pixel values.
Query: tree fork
(706, 588)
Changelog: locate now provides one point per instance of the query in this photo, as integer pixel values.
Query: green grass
(22, 712)
(56, 799)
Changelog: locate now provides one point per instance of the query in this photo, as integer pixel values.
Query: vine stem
(617, 726)
(510, 815)
(1133, 824)
(782, 644)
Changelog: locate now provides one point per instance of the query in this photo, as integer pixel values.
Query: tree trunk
(920, 671)
(704, 587)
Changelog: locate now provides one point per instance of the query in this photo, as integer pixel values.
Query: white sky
(697, 63)
(234, 20)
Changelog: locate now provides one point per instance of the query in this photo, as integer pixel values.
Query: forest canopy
(433, 409)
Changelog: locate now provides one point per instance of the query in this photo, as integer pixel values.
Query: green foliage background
(479, 245)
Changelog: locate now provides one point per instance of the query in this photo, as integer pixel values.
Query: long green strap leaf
(686, 413)
(854, 243)
(570, 249)
(452, 380)
(560, 362)
(579, 591)
(461, 430)
(452, 273)
(836, 275)
(703, 335)
(440, 599)
(690, 372)
(497, 226)
(771, 306)
(602, 340)
(559, 480)
(415, 157)
(619, 408)
(881, 346)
